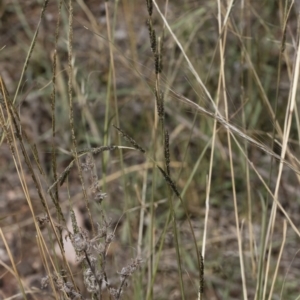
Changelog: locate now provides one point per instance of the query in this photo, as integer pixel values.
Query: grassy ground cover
(149, 149)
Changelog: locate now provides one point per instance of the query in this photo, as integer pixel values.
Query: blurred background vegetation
(113, 83)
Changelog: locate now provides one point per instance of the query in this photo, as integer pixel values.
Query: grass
(149, 150)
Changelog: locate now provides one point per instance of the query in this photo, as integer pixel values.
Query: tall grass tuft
(149, 150)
